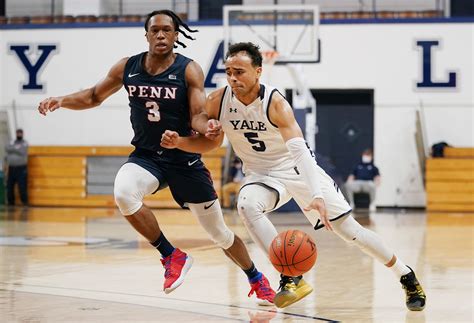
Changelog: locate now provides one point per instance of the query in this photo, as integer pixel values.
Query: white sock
(399, 268)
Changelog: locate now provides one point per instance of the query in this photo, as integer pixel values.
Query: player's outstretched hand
(319, 205)
(214, 129)
(49, 105)
(169, 139)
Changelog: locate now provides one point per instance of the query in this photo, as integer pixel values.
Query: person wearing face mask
(17, 160)
(364, 178)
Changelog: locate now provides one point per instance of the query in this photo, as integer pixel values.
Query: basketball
(293, 252)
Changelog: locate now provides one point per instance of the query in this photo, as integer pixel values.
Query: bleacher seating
(107, 18)
(41, 19)
(141, 18)
(85, 19)
(466, 152)
(450, 181)
(57, 176)
(67, 19)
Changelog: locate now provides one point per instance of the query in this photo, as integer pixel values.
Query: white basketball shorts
(289, 184)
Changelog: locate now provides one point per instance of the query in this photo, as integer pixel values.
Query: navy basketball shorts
(189, 180)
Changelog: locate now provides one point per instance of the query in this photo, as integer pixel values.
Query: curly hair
(252, 50)
(178, 23)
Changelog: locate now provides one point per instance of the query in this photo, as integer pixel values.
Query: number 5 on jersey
(257, 145)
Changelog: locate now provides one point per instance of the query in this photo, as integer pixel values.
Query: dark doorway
(346, 126)
(212, 9)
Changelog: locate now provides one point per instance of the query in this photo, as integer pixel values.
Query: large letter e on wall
(24, 54)
(428, 64)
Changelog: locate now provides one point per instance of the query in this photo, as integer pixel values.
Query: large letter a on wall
(216, 68)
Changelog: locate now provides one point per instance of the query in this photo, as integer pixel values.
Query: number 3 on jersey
(154, 113)
(257, 145)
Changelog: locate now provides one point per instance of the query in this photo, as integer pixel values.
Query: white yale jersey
(254, 138)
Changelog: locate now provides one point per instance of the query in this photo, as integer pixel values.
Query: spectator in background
(232, 187)
(17, 160)
(365, 178)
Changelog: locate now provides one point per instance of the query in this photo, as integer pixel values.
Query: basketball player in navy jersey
(278, 166)
(165, 91)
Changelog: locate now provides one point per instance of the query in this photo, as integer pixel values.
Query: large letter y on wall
(24, 54)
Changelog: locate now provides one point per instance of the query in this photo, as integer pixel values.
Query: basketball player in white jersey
(279, 165)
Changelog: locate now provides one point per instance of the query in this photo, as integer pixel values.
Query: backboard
(290, 30)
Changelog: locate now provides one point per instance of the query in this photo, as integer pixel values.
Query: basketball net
(269, 59)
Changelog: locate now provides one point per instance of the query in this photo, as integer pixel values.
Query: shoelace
(414, 290)
(265, 291)
(283, 281)
(168, 267)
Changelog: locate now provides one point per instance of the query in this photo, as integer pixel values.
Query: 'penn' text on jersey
(155, 92)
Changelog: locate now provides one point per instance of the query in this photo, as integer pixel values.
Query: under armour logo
(233, 110)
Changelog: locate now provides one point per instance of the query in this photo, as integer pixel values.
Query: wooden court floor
(88, 265)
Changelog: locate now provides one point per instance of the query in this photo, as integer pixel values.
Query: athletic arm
(193, 144)
(91, 97)
(198, 143)
(281, 114)
(196, 97)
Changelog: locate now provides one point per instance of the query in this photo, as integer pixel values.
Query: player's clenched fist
(169, 139)
(49, 105)
(214, 129)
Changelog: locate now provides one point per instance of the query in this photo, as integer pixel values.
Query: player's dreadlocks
(177, 24)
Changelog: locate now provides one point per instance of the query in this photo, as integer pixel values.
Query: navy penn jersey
(158, 103)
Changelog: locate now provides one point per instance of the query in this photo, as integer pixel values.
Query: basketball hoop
(269, 56)
(269, 59)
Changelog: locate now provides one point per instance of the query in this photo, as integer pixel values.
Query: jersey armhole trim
(127, 66)
(186, 64)
(220, 105)
(268, 106)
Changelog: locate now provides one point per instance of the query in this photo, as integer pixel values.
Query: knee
(356, 238)
(212, 221)
(349, 230)
(249, 209)
(224, 238)
(127, 198)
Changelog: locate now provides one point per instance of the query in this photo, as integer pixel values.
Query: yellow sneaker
(415, 296)
(291, 290)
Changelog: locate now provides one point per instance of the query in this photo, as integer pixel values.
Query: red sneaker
(264, 291)
(176, 266)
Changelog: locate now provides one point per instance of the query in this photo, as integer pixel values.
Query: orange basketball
(293, 252)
